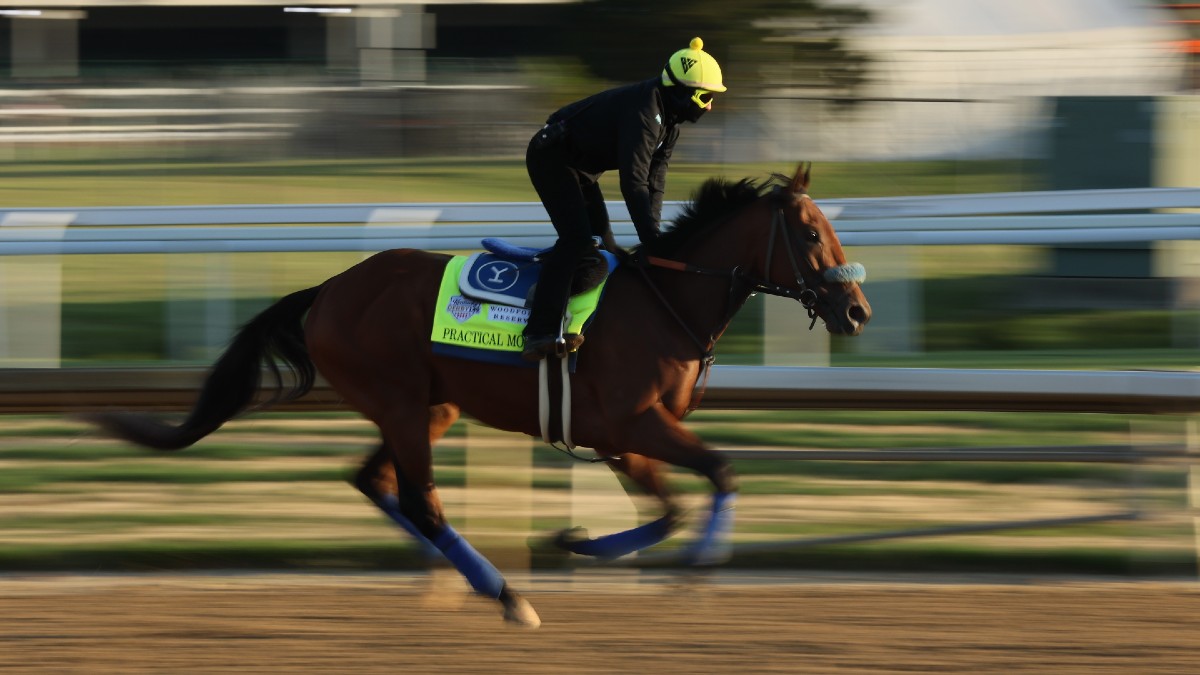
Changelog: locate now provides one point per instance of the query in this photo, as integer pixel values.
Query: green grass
(236, 554)
(991, 421)
(139, 183)
(836, 438)
(1182, 358)
(23, 478)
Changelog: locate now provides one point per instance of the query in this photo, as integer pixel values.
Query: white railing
(1032, 218)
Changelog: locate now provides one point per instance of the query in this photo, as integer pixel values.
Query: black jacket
(628, 129)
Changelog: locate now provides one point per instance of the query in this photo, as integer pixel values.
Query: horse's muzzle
(849, 317)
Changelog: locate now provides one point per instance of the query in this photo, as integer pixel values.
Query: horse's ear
(801, 179)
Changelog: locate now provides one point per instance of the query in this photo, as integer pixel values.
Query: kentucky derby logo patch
(462, 309)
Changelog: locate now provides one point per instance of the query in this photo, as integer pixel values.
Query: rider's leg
(598, 214)
(558, 186)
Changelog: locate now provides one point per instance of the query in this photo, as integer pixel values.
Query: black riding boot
(549, 305)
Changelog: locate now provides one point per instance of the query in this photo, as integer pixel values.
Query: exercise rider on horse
(633, 129)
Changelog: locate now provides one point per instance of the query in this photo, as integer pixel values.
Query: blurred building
(1186, 15)
(973, 78)
(264, 78)
(285, 78)
(371, 40)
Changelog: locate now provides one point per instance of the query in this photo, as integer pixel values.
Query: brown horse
(367, 332)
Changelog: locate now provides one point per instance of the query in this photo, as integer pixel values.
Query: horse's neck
(706, 303)
(702, 304)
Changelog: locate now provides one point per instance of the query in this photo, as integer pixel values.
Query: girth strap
(565, 409)
(544, 402)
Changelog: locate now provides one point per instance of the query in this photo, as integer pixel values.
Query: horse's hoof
(569, 538)
(710, 554)
(519, 612)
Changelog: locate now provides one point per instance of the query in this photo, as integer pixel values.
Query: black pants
(577, 210)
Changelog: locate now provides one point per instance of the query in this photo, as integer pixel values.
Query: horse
(647, 354)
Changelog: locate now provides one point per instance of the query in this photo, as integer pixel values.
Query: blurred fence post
(200, 316)
(600, 504)
(787, 341)
(1176, 164)
(1193, 485)
(498, 495)
(892, 288)
(46, 45)
(31, 297)
(384, 44)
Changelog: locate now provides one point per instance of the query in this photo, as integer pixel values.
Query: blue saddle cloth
(506, 273)
(512, 251)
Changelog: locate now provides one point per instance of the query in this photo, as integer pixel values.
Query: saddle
(505, 273)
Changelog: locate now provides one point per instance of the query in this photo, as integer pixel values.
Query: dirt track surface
(425, 624)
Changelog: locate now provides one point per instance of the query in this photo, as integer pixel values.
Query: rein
(739, 283)
(707, 357)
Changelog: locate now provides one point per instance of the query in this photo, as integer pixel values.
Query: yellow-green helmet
(693, 67)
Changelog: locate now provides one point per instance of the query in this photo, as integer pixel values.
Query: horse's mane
(713, 202)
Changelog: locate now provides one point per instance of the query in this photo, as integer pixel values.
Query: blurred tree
(760, 44)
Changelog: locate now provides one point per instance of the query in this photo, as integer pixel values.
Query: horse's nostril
(858, 314)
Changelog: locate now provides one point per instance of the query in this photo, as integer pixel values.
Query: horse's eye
(813, 236)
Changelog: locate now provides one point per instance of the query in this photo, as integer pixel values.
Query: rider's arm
(658, 172)
(639, 137)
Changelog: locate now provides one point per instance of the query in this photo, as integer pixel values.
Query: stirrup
(538, 348)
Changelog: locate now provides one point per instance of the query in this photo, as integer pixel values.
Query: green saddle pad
(491, 331)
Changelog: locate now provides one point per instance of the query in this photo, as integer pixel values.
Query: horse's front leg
(659, 435)
(645, 474)
(652, 437)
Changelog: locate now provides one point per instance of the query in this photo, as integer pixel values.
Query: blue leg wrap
(623, 543)
(391, 506)
(481, 574)
(713, 547)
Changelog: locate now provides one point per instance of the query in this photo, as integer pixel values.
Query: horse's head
(767, 238)
(805, 260)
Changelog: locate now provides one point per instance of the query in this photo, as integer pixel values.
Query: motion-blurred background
(116, 104)
(178, 103)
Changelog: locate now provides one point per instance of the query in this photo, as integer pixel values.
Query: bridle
(801, 293)
(741, 286)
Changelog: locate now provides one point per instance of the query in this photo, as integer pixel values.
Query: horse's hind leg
(374, 477)
(420, 505)
(377, 480)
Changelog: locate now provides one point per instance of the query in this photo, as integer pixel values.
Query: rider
(633, 129)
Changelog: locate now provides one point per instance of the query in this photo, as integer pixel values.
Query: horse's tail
(233, 381)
